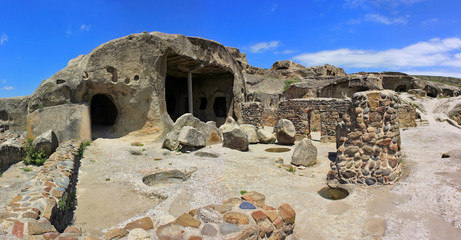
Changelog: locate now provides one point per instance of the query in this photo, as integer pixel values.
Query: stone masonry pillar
(368, 144)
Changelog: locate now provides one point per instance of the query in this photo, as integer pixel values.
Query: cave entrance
(206, 91)
(401, 88)
(103, 115)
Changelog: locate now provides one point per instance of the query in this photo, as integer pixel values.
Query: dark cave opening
(103, 111)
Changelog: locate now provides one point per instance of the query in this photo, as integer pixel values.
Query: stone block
(68, 121)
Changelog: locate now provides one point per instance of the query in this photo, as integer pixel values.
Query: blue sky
(38, 38)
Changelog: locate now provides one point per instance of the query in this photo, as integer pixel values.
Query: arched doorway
(104, 114)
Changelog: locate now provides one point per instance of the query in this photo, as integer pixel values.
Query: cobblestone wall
(44, 207)
(368, 140)
(309, 114)
(256, 114)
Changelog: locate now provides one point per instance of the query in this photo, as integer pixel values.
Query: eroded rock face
(133, 71)
(455, 113)
(11, 151)
(285, 131)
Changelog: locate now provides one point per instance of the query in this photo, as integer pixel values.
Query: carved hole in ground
(210, 84)
(333, 193)
(103, 114)
(277, 150)
(167, 176)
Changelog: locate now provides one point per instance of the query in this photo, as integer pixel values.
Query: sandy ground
(13, 180)
(425, 204)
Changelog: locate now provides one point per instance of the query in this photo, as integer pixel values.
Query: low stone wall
(308, 114)
(237, 218)
(45, 206)
(256, 114)
(369, 140)
(252, 113)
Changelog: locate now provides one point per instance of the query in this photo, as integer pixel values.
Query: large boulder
(305, 154)
(190, 138)
(171, 141)
(250, 131)
(455, 113)
(235, 139)
(46, 142)
(229, 125)
(68, 121)
(265, 135)
(11, 152)
(209, 130)
(285, 131)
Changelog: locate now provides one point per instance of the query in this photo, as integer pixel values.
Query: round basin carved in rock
(168, 176)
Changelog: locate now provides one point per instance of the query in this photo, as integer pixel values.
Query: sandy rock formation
(455, 113)
(11, 150)
(138, 82)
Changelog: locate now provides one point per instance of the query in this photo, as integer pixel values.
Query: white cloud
(372, 17)
(264, 46)
(435, 73)
(354, 21)
(69, 31)
(289, 51)
(85, 27)
(433, 53)
(7, 88)
(3, 39)
(430, 21)
(379, 3)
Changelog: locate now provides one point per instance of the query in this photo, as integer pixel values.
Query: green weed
(33, 156)
(291, 169)
(288, 83)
